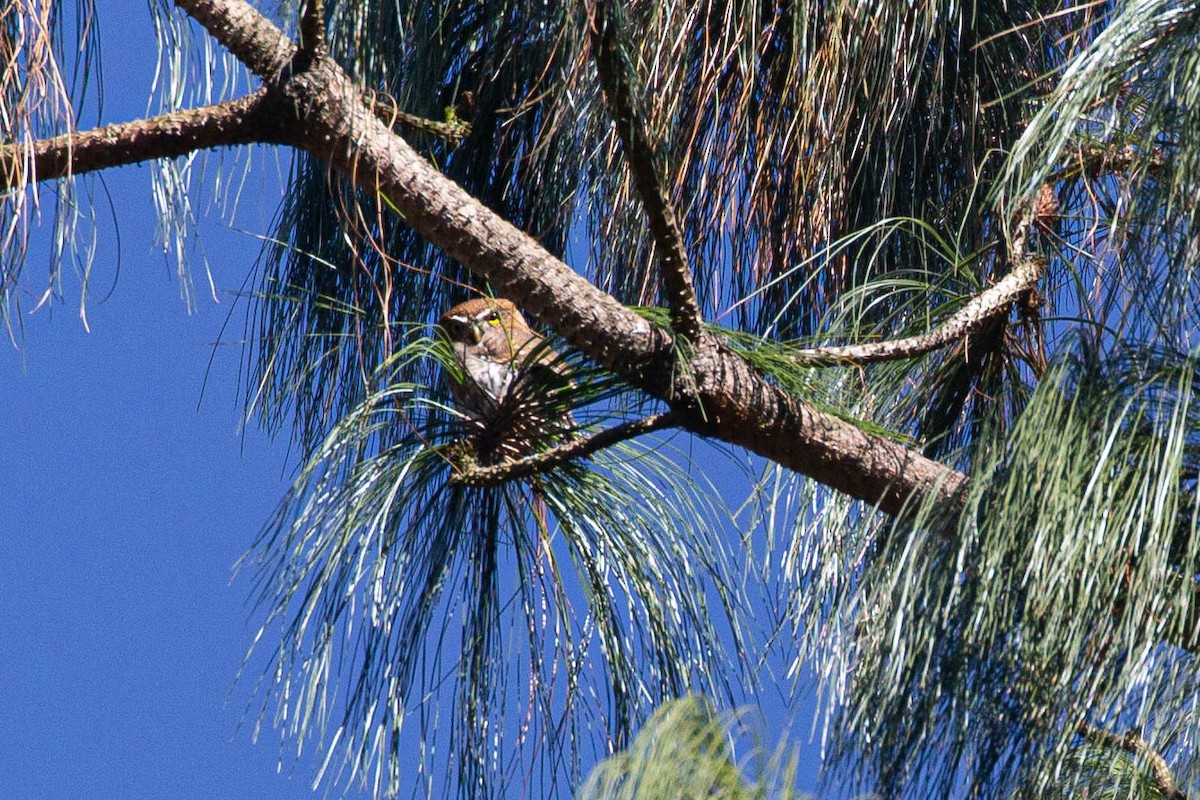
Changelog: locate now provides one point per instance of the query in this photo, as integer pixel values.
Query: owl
(506, 367)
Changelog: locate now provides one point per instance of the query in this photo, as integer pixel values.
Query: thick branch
(618, 80)
(719, 394)
(967, 320)
(574, 449)
(1135, 745)
(242, 121)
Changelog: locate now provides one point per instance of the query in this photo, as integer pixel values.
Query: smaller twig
(967, 320)
(384, 107)
(574, 449)
(312, 30)
(1093, 161)
(1135, 745)
(618, 81)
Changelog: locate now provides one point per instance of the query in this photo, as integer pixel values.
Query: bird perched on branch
(509, 377)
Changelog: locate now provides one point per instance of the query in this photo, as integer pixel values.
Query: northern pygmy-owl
(499, 354)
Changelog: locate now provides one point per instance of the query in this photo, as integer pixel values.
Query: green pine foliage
(842, 173)
(684, 752)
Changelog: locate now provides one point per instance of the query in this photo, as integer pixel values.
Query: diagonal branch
(967, 320)
(619, 82)
(1135, 745)
(249, 36)
(574, 449)
(254, 118)
(718, 394)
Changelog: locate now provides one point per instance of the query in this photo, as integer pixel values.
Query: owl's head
(469, 322)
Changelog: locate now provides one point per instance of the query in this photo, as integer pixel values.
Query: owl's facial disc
(488, 316)
(461, 328)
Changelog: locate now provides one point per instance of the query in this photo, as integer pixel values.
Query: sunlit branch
(967, 320)
(248, 35)
(574, 449)
(618, 80)
(1135, 745)
(242, 121)
(1094, 161)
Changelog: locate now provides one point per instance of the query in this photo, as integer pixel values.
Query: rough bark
(1164, 778)
(972, 317)
(620, 97)
(243, 121)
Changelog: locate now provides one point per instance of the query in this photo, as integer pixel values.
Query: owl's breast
(487, 382)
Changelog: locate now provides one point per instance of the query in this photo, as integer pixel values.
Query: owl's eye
(493, 318)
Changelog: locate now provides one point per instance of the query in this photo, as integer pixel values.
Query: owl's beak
(476, 332)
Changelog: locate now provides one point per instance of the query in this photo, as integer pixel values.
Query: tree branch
(388, 110)
(619, 83)
(249, 36)
(1135, 745)
(249, 119)
(716, 393)
(967, 320)
(312, 30)
(1095, 161)
(574, 449)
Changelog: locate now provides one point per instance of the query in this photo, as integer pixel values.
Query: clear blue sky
(128, 489)
(127, 492)
(123, 508)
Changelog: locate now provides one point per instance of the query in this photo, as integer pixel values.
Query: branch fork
(321, 110)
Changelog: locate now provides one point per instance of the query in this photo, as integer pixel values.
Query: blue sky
(129, 490)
